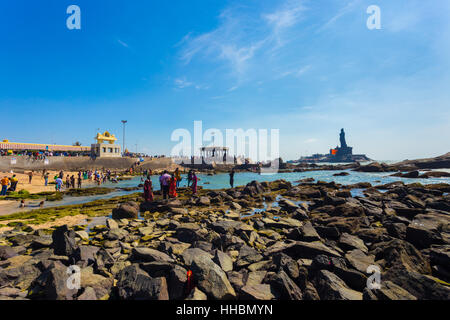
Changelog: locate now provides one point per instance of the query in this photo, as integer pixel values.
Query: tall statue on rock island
(342, 138)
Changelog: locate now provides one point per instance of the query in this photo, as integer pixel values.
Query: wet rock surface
(262, 241)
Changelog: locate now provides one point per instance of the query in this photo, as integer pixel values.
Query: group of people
(168, 184)
(6, 182)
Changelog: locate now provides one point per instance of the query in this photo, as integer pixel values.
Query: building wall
(106, 150)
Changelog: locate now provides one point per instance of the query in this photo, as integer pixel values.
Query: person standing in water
(148, 190)
(232, 178)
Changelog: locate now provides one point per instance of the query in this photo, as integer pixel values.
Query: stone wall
(76, 163)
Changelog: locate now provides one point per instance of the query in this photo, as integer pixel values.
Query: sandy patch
(69, 220)
(37, 182)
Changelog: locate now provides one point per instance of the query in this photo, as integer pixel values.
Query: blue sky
(308, 68)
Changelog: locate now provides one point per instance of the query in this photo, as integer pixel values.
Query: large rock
(134, 284)
(331, 287)
(197, 295)
(247, 256)
(308, 233)
(190, 254)
(128, 210)
(425, 229)
(401, 255)
(350, 242)
(187, 232)
(288, 205)
(55, 283)
(283, 287)
(7, 252)
(388, 291)
(100, 284)
(223, 260)
(18, 271)
(349, 209)
(64, 243)
(211, 279)
(225, 226)
(354, 279)
(177, 283)
(359, 260)
(423, 287)
(257, 292)
(116, 234)
(309, 250)
(148, 255)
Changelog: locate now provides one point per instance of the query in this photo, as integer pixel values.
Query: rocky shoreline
(262, 241)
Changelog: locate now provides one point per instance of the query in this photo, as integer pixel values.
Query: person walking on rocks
(232, 178)
(58, 184)
(148, 190)
(165, 181)
(194, 183)
(173, 186)
(177, 177)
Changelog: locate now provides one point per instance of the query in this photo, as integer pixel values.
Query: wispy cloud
(295, 72)
(123, 44)
(280, 20)
(240, 37)
(342, 12)
(182, 83)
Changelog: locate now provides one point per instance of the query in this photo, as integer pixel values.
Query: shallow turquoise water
(221, 181)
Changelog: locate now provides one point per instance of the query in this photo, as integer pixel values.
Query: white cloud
(284, 18)
(342, 12)
(182, 83)
(123, 44)
(241, 37)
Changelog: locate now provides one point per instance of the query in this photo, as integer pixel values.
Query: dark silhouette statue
(342, 138)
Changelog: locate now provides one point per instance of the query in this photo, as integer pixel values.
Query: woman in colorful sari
(173, 187)
(177, 176)
(194, 183)
(148, 191)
